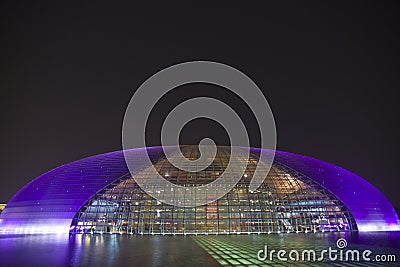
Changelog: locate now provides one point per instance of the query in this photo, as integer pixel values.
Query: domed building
(100, 195)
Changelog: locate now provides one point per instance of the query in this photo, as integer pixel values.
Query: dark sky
(329, 72)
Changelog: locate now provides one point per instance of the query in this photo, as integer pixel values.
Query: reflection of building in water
(98, 195)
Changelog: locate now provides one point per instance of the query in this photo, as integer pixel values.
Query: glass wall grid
(287, 201)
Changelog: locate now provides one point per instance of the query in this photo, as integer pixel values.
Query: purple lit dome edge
(49, 203)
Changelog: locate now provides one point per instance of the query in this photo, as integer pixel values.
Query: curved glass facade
(98, 194)
(286, 202)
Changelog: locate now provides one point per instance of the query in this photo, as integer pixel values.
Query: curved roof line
(370, 208)
(49, 203)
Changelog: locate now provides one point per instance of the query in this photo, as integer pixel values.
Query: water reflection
(101, 250)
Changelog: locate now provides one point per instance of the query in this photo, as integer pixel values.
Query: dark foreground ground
(211, 250)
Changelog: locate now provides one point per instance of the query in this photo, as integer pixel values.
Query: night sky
(329, 72)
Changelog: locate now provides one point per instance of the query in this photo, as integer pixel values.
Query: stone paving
(242, 250)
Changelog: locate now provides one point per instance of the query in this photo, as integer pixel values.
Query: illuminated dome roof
(98, 194)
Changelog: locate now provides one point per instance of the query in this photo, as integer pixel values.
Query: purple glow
(49, 203)
(370, 208)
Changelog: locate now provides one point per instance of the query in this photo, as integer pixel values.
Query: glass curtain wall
(287, 201)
